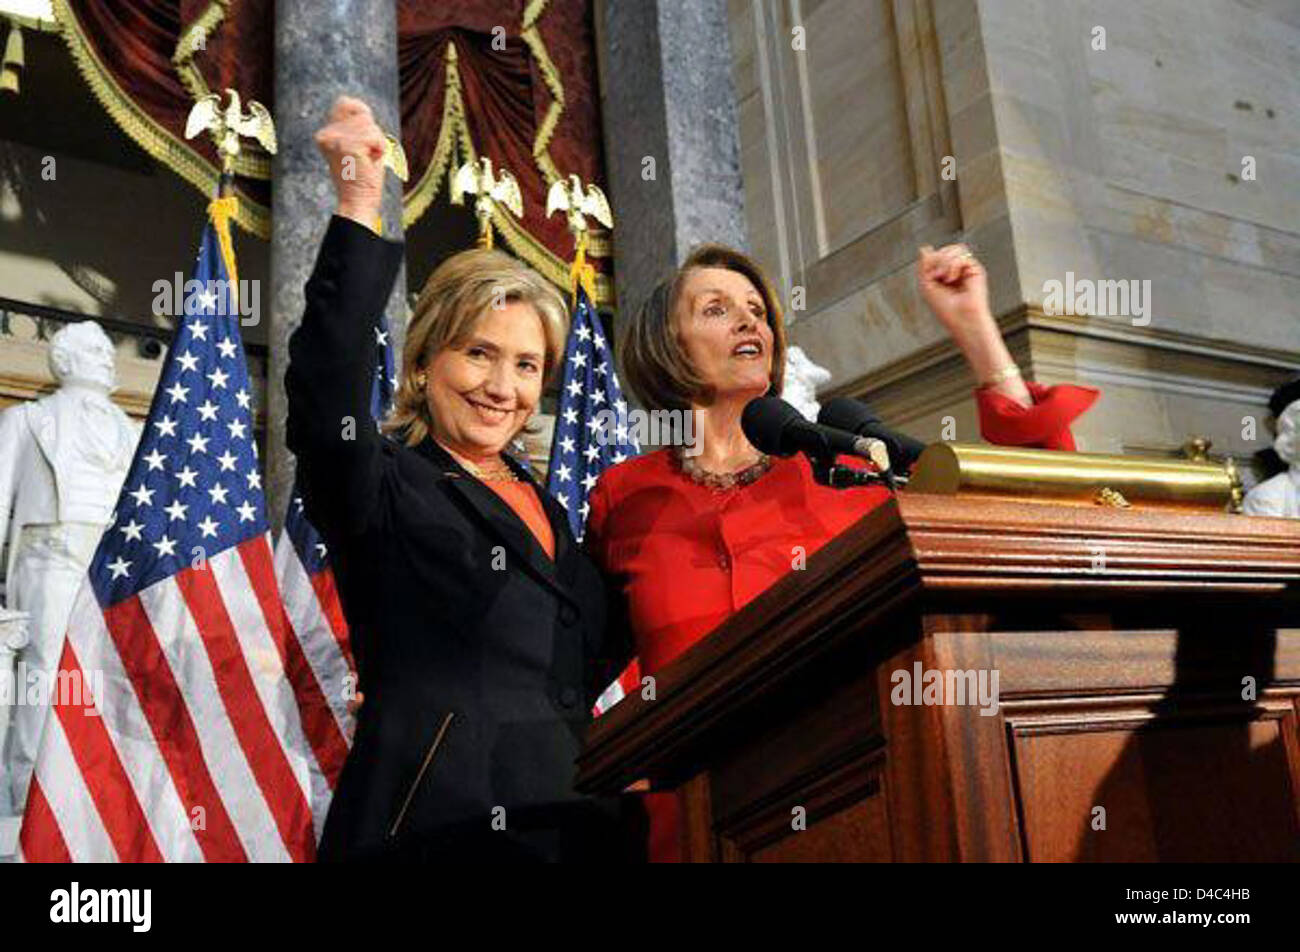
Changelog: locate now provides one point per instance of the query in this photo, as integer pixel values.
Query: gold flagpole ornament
(227, 125)
(395, 157)
(491, 189)
(570, 196)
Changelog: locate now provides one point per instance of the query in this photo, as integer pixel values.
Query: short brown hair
(654, 362)
(457, 294)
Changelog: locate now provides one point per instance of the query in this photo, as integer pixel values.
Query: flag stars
(566, 444)
(208, 411)
(132, 531)
(218, 493)
(186, 477)
(588, 483)
(227, 348)
(227, 461)
(583, 334)
(218, 378)
(198, 330)
(178, 394)
(254, 479)
(563, 473)
(243, 399)
(578, 359)
(176, 510)
(142, 496)
(188, 361)
(120, 568)
(154, 459)
(208, 527)
(236, 428)
(198, 443)
(381, 337)
(247, 512)
(592, 453)
(165, 546)
(166, 426)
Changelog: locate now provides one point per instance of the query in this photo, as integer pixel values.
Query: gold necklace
(721, 482)
(497, 474)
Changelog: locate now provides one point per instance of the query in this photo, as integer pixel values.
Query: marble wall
(1122, 163)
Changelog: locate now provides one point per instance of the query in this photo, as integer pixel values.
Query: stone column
(322, 50)
(668, 96)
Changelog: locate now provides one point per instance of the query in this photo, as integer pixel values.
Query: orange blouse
(520, 497)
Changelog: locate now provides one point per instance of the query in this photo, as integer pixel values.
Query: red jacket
(687, 557)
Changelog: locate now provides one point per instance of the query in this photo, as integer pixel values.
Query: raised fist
(953, 283)
(353, 145)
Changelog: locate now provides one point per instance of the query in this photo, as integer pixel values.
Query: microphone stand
(835, 475)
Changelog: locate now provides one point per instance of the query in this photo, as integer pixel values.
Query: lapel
(42, 423)
(499, 519)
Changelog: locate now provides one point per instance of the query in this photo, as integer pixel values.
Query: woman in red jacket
(691, 539)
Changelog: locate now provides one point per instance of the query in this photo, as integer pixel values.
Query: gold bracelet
(1002, 376)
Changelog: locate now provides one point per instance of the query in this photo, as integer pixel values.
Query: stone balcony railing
(25, 332)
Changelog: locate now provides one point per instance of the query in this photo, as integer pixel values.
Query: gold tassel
(582, 274)
(223, 210)
(14, 62)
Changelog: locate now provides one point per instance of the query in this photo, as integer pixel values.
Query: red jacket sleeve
(1045, 425)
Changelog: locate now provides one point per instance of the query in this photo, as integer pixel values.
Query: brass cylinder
(978, 468)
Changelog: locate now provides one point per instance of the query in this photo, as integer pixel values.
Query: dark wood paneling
(1121, 688)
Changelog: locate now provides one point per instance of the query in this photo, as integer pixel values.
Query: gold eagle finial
(491, 189)
(229, 124)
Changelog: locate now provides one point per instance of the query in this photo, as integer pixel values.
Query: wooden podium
(1123, 642)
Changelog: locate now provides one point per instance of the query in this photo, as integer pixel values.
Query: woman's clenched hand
(353, 144)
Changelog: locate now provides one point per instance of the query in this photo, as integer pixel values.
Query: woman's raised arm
(333, 353)
(1013, 412)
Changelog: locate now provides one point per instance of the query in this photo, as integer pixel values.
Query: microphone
(845, 413)
(777, 428)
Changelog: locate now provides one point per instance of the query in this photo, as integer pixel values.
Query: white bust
(1280, 496)
(62, 462)
(802, 378)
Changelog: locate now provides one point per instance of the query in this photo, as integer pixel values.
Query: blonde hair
(655, 364)
(457, 294)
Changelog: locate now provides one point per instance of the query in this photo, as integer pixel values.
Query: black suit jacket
(459, 619)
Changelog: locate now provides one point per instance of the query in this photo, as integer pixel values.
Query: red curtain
(126, 49)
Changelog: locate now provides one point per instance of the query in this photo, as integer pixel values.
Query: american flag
(581, 448)
(194, 749)
(316, 620)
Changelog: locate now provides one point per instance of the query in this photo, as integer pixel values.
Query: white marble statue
(62, 462)
(1280, 495)
(802, 378)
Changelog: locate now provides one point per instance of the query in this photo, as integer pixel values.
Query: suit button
(568, 697)
(568, 615)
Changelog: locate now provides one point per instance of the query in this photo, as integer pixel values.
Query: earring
(421, 379)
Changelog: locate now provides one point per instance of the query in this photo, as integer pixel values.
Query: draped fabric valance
(511, 79)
